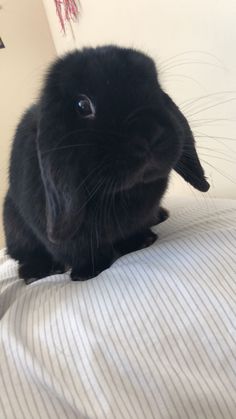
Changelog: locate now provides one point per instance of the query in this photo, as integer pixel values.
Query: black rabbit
(90, 163)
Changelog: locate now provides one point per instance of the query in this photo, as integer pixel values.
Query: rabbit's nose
(153, 140)
(141, 146)
(141, 142)
(159, 136)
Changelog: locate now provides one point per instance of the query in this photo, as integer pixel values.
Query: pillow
(154, 336)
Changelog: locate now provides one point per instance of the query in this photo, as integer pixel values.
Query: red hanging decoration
(67, 10)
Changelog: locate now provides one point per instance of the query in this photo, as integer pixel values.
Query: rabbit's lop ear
(189, 167)
(63, 195)
(188, 164)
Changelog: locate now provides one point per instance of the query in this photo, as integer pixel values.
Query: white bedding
(154, 336)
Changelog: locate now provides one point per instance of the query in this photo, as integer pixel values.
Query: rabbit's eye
(85, 107)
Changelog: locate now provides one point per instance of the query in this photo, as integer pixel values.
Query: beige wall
(206, 30)
(29, 47)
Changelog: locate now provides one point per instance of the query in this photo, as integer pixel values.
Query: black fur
(84, 191)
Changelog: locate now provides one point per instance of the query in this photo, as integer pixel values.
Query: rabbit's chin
(153, 174)
(144, 176)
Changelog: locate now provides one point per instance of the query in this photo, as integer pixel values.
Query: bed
(154, 336)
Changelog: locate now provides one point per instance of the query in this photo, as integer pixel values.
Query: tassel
(1, 44)
(66, 10)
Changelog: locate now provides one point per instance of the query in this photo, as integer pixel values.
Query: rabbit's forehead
(113, 80)
(121, 88)
(110, 72)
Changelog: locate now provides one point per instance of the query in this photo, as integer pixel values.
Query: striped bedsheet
(154, 336)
